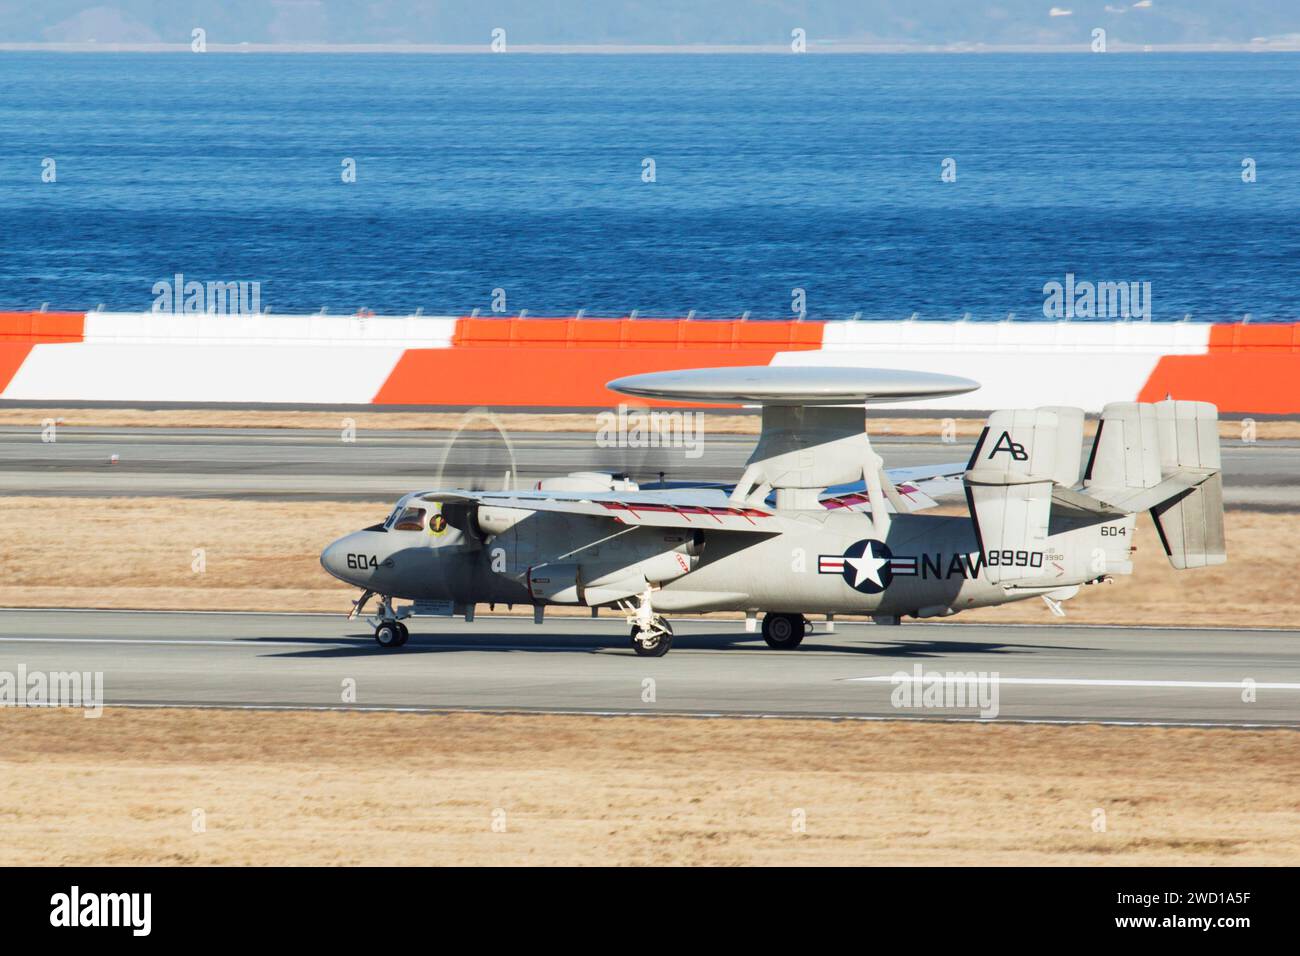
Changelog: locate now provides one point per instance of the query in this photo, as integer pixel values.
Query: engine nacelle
(493, 520)
(572, 583)
(665, 567)
(588, 481)
(558, 583)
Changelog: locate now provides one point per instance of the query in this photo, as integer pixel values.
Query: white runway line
(247, 642)
(228, 642)
(943, 678)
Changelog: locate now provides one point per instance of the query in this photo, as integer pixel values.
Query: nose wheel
(389, 631)
(390, 634)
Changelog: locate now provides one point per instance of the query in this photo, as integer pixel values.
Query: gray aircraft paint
(1034, 528)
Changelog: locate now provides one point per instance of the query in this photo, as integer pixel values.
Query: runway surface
(382, 465)
(1041, 673)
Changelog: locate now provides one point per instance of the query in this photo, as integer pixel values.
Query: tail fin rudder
(1020, 456)
(1191, 524)
(1125, 453)
(1164, 457)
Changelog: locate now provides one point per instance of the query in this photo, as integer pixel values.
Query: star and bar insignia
(867, 566)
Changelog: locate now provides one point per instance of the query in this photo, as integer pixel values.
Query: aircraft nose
(334, 559)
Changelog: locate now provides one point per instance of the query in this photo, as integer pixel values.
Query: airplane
(815, 524)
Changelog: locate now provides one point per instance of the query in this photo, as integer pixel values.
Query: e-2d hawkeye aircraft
(787, 540)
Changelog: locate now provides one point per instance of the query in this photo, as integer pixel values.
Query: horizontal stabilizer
(1183, 480)
(1071, 498)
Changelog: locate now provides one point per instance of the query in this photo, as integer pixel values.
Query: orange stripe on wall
(527, 376)
(1247, 368)
(566, 362)
(19, 331)
(12, 356)
(37, 327)
(472, 332)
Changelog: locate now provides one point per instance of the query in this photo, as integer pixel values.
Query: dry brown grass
(512, 422)
(138, 553)
(354, 788)
(1256, 588)
(267, 418)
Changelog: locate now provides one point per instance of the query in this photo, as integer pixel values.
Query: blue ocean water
(524, 173)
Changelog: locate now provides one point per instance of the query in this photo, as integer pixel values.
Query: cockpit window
(412, 519)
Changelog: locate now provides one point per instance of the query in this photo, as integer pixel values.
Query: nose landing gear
(391, 634)
(389, 631)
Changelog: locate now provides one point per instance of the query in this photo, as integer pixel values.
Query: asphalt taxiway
(381, 465)
(1062, 673)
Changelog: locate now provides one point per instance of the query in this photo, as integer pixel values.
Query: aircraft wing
(928, 480)
(916, 485)
(707, 505)
(858, 499)
(921, 473)
(704, 508)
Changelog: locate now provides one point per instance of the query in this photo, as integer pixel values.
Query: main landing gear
(784, 631)
(652, 635)
(653, 641)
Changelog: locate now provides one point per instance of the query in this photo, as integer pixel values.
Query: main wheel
(652, 645)
(388, 635)
(784, 631)
(636, 631)
(404, 635)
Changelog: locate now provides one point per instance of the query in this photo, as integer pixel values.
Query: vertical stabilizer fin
(1191, 524)
(1068, 469)
(1019, 458)
(1174, 445)
(1126, 450)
